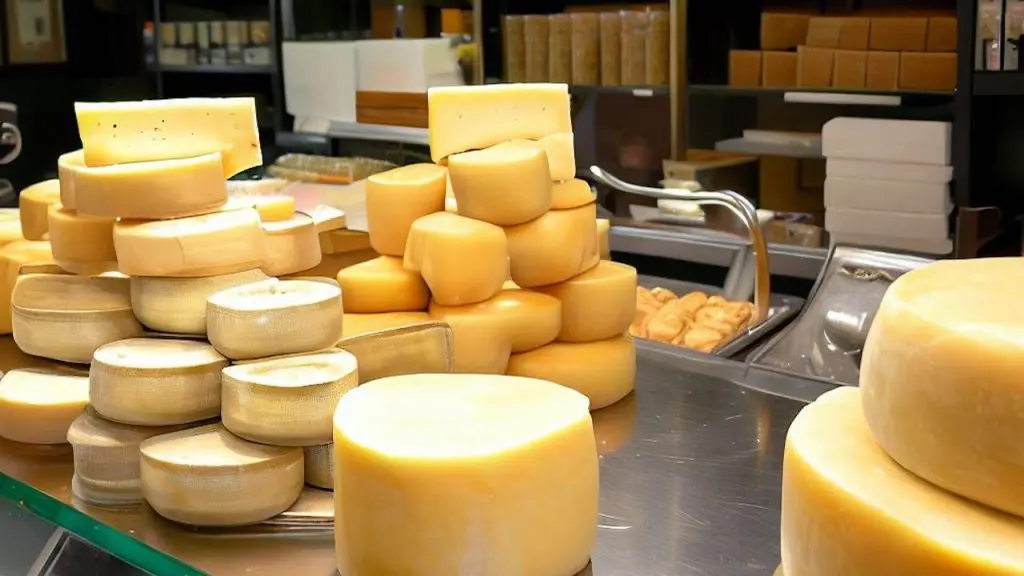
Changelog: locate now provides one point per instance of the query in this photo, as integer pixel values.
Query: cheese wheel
(155, 382)
(209, 245)
(287, 401)
(603, 247)
(123, 132)
(940, 381)
(81, 244)
(481, 336)
(571, 194)
(14, 258)
(68, 317)
(489, 456)
(274, 317)
(847, 508)
(559, 148)
(358, 324)
(596, 305)
(34, 206)
(605, 371)
(416, 349)
(343, 241)
(270, 208)
(553, 248)
(396, 198)
(291, 246)
(10, 226)
(319, 466)
(66, 164)
(526, 319)
(441, 247)
(505, 184)
(38, 406)
(178, 305)
(207, 476)
(382, 285)
(331, 264)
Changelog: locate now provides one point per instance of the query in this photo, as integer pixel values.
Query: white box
(320, 81)
(900, 171)
(407, 64)
(891, 224)
(936, 246)
(913, 141)
(887, 196)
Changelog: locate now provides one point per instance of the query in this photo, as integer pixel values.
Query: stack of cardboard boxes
(879, 53)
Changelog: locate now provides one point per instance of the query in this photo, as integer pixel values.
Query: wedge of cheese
(38, 406)
(34, 207)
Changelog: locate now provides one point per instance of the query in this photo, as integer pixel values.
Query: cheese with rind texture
(207, 476)
(473, 117)
(596, 305)
(358, 324)
(343, 241)
(14, 258)
(561, 155)
(481, 337)
(34, 208)
(287, 401)
(571, 194)
(849, 509)
(178, 305)
(463, 261)
(382, 285)
(397, 198)
(603, 247)
(319, 464)
(605, 371)
(506, 184)
(526, 319)
(941, 388)
(209, 245)
(156, 382)
(67, 318)
(483, 460)
(124, 132)
(290, 246)
(66, 163)
(553, 248)
(81, 244)
(416, 349)
(38, 406)
(274, 317)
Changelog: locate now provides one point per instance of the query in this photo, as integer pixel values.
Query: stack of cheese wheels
(924, 460)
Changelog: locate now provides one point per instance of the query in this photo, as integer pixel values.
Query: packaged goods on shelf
(178, 305)
(899, 33)
(553, 248)
(611, 48)
(514, 47)
(526, 319)
(417, 349)
(357, 324)
(744, 68)
(535, 38)
(783, 30)
(81, 244)
(14, 258)
(596, 305)
(586, 48)
(842, 32)
(506, 184)
(290, 246)
(559, 48)
(38, 406)
(396, 198)
(635, 30)
(34, 207)
(326, 170)
(382, 285)
(656, 49)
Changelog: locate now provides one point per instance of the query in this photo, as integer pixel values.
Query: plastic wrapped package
(635, 28)
(535, 38)
(514, 48)
(611, 48)
(657, 57)
(586, 49)
(326, 170)
(559, 48)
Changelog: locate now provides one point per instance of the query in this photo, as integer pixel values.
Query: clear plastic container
(586, 49)
(325, 169)
(559, 48)
(535, 38)
(515, 48)
(635, 28)
(611, 48)
(657, 49)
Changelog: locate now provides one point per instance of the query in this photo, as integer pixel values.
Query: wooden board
(392, 108)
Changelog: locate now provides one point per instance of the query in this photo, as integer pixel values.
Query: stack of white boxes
(887, 183)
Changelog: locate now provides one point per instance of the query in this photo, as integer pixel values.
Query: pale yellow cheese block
(571, 194)
(123, 132)
(941, 379)
(34, 205)
(10, 226)
(357, 324)
(561, 155)
(605, 371)
(382, 285)
(396, 198)
(343, 240)
(66, 164)
(473, 117)
(38, 406)
(416, 349)
(270, 208)
(603, 247)
(462, 260)
(81, 244)
(526, 319)
(291, 245)
(596, 305)
(15, 257)
(178, 305)
(848, 509)
(493, 457)
(553, 248)
(505, 184)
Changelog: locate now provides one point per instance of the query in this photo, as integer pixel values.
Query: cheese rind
(553, 248)
(416, 349)
(14, 258)
(38, 406)
(396, 198)
(319, 466)
(847, 508)
(81, 244)
(178, 305)
(506, 184)
(939, 376)
(526, 319)
(358, 324)
(571, 194)
(34, 207)
(290, 246)
(440, 438)
(66, 163)
(598, 304)
(382, 285)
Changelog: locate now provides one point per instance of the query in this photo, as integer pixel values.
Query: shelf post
(678, 81)
(478, 39)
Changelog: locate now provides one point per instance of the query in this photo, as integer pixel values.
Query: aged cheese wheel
(526, 319)
(416, 349)
(178, 305)
(396, 198)
(14, 258)
(553, 248)
(81, 244)
(506, 184)
(319, 462)
(37, 406)
(291, 246)
(357, 324)
(66, 164)
(598, 304)
(382, 285)
(571, 194)
(34, 207)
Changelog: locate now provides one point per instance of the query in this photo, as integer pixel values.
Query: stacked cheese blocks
(887, 183)
(920, 470)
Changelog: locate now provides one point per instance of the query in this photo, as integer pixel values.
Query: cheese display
(416, 349)
(10, 226)
(494, 457)
(319, 466)
(598, 304)
(344, 240)
(357, 324)
(156, 382)
(396, 198)
(15, 258)
(81, 244)
(526, 319)
(38, 406)
(473, 117)
(553, 248)
(178, 305)
(939, 377)
(603, 246)
(506, 184)
(270, 208)
(462, 260)
(274, 317)
(561, 155)
(694, 320)
(481, 337)
(206, 476)
(67, 318)
(126, 132)
(34, 208)
(159, 189)
(571, 194)
(331, 264)
(847, 508)
(290, 246)
(382, 285)
(66, 164)
(209, 245)
(287, 401)
(605, 371)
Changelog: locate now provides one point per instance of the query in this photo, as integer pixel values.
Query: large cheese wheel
(38, 406)
(942, 388)
(415, 349)
(178, 305)
(66, 164)
(291, 245)
(526, 319)
(396, 198)
(482, 460)
(847, 508)
(357, 324)
(81, 244)
(14, 258)
(506, 184)
(598, 304)
(553, 248)
(34, 207)
(571, 194)
(382, 285)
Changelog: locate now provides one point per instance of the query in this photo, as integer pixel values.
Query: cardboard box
(883, 71)
(941, 34)
(899, 34)
(745, 68)
(842, 33)
(778, 69)
(814, 67)
(927, 71)
(783, 30)
(35, 32)
(850, 69)
(785, 186)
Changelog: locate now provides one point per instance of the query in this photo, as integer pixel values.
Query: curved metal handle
(739, 206)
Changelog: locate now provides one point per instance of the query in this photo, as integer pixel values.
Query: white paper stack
(887, 183)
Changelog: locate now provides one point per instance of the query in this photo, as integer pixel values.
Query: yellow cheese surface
(357, 324)
(34, 206)
(942, 388)
(603, 247)
(505, 184)
(416, 349)
(598, 304)
(270, 208)
(561, 155)
(14, 257)
(123, 132)
(38, 406)
(526, 319)
(382, 285)
(571, 194)
(848, 509)
(553, 248)
(178, 305)
(290, 246)
(396, 198)
(327, 218)
(66, 164)
(503, 470)
(343, 241)
(81, 244)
